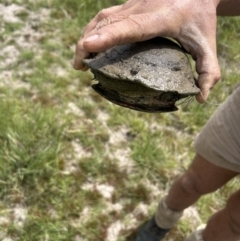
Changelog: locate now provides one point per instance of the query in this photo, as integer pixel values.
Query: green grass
(61, 142)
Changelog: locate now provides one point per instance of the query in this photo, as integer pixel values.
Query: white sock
(165, 217)
(196, 235)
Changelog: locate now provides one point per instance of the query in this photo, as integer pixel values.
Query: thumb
(133, 28)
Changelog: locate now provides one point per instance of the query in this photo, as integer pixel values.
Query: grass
(72, 165)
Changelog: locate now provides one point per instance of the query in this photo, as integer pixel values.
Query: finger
(206, 59)
(80, 54)
(134, 28)
(209, 74)
(112, 19)
(114, 14)
(97, 40)
(105, 13)
(91, 29)
(128, 9)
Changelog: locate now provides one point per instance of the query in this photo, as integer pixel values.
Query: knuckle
(102, 14)
(216, 76)
(104, 22)
(210, 73)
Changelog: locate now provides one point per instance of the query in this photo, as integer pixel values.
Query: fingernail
(92, 38)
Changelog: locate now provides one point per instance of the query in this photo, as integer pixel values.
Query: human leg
(201, 178)
(219, 141)
(225, 224)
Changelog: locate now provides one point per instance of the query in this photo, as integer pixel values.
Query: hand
(191, 22)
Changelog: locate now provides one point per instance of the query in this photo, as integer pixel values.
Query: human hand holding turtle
(191, 22)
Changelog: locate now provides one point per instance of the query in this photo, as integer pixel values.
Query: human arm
(191, 22)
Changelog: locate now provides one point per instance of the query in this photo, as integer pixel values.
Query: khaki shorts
(219, 140)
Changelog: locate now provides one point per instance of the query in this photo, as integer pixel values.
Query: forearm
(228, 8)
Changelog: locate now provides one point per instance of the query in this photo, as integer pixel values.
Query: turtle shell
(146, 76)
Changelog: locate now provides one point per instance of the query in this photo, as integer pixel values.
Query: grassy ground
(74, 167)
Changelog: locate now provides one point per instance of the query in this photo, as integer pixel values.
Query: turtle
(148, 76)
